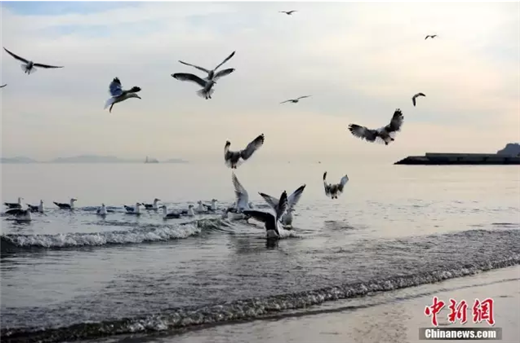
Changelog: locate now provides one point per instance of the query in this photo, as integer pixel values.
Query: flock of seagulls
(277, 223)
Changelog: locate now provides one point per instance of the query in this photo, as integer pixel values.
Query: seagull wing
(189, 77)
(283, 102)
(264, 217)
(282, 206)
(16, 56)
(3, 86)
(271, 201)
(363, 132)
(303, 97)
(194, 66)
(227, 59)
(326, 185)
(240, 193)
(223, 73)
(252, 147)
(115, 87)
(295, 197)
(396, 122)
(342, 183)
(46, 66)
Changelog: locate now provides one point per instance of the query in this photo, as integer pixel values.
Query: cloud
(359, 62)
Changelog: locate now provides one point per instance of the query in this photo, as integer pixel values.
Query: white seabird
(29, 66)
(430, 36)
(242, 201)
(38, 208)
(232, 158)
(384, 134)
(189, 212)
(288, 12)
(332, 191)
(102, 211)
(295, 101)
(211, 73)
(293, 199)
(207, 85)
(152, 206)
(272, 222)
(3, 86)
(69, 206)
(14, 204)
(118, 94)
(415, 96)
(24, 216)
(171, 215)
(133, 210)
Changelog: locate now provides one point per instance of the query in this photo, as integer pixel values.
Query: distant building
(150, 160)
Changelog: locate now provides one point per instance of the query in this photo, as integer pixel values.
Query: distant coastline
(83, 159)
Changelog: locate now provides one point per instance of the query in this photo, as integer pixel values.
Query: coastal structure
(150, 160)
(461, 159)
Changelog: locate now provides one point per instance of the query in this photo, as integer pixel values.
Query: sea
(74, 276)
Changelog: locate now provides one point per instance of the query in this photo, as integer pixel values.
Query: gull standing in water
(29, 66)
(38, 208)
(272, 222)
(152, 206)
(293, 199)
(211, 73)
(189, 212)
(102, 211)
(24, 216)
(171, 215)
(415, 96)
(69, 206)
(232, 158)
(133, 210)
(14, 204)
(384, 134)
(295, 101)
(332, 191)
(207, 85)
(118, 94)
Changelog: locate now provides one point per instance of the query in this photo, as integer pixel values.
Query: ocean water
(72, 275)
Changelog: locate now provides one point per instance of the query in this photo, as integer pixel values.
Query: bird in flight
(207, 85)
(232, 158)
(333, 190)
(288, 12)
(430, 36)
(3, 86)
(211, 73)
(382, 135)
(118, 94)
(415, 96)
(295, 101)
(29, 66)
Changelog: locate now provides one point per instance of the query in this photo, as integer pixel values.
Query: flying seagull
(332, 191)
(3, 86)
(207, 86)
(241, 202)
(293, 199)
(29, 66)
(295, 101)
(118, 94)
(415, 96)
(211, 73)
(430, 36)
(272, 222)
(232, 158)
(384, 134)
(288, 12)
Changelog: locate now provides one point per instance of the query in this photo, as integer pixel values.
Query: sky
(358, 61)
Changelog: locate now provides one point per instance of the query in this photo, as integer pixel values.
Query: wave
(150, 233)
(247, 309)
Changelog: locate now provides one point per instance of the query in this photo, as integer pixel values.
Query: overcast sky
(358, 61)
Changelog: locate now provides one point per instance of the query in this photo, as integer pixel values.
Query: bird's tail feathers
(28, 71)
(204, 93)
(109, 102)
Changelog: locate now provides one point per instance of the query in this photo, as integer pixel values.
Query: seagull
(64, 206)
(384, 134)
(189, 212)
(207, 85)
(242, 201)
(38, 208)
(23, 216)
(213, 206)
(152, 206)
(211, 73)
(118, 94)
(288, 12)
(430, 36)
(293, 199)
(3, 86)
(171, 215)
(29, 66)
(14, 204)
(133, 210)
(331, 190)
(415, 96)
(272, 222)
(232, 158)
(295, 101)
(102, 211)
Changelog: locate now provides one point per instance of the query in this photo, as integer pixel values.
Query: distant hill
(90, 159)
(510, 149)
(18, 159)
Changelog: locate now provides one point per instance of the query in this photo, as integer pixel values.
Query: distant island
(87, 159)
(510, 155)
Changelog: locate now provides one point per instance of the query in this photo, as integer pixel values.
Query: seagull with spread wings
(272, 222)
(295, 101)
(29, 66)
(118, 94)
(211, 73)
(207, 85)
(288, 12)
(232, 158)
(430, 36)
(293, 199)
(384, 134)
(3, 86)
(415, 96)
(333, 190)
